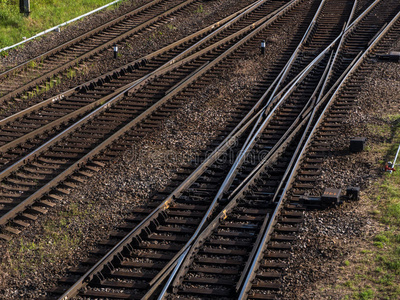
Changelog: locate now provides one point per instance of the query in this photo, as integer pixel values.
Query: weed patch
(380, 270)
(200, 9)
(58, 242)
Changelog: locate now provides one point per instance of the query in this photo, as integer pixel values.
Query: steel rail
(321, 83)
(160, 276)
(285, 71)
(250, 30)
(356, 62)
(180, 255)
(262, 238)
(228, 142)
(272, 222)
(176, 269)
(227, 21)
(304, 113)
(96, 50)
(251, 141)
(288, 135)
(266, 236)
(248, 10)
(353, 11)
(272, 154)
(268, 160)
(351, 70)
(318, 102)
(259, 248)
(245, 150)
(77, 165)
(327, 73)
(131, 88)
(224, 213)
(124, 68)
(135, 86)
(283, 74)
(221, 190)
(222, 148)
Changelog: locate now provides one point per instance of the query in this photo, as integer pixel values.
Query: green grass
(44, 14)
(379, 275)
(58, 242)
(200, 9)
(365, 294)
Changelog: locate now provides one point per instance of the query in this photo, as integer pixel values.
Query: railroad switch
(357, 144)
(353, 193)
(310, 202)
(331, 197)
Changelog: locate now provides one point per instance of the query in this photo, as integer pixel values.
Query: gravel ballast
(33, 262)
(330, 237)
(131, 50)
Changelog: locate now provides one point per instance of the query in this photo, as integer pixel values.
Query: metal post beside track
(25, 7)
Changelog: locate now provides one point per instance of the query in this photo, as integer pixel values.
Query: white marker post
(115, 51)
(262, 47)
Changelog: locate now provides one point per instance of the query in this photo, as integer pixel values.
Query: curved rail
(228, 142)
(46, 188)
(245, 183)
(302, 147)
(174, 267)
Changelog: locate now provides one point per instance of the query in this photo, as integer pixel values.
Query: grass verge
(44, 14)
(376, 270)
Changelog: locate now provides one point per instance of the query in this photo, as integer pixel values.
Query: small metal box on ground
(357, 144)
(353, 193)
(331, 196)
(394, 56)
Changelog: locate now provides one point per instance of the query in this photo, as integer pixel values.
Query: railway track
(41, 72)
(345, 98)
(197, 279)
(235, 222)
(137, 213)
(36, 124)
(316, 146)
(225, 231)
(35, 175)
